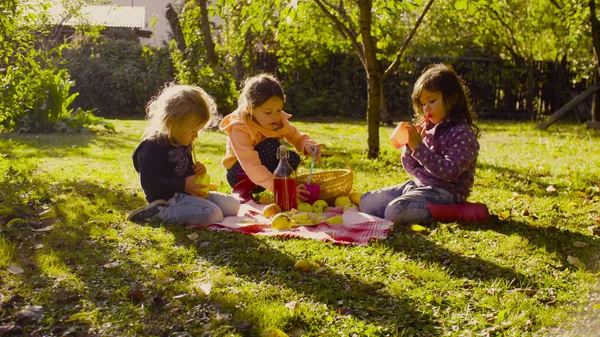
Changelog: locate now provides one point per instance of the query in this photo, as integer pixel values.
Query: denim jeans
(404, 203)
(191, 210)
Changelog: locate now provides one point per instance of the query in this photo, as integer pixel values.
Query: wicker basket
(333, 183)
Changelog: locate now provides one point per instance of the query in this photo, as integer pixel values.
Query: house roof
(109, 16)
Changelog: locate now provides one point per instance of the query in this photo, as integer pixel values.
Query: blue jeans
(404, 203)
(191, 210)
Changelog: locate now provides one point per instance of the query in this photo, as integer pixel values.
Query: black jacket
(162, 168)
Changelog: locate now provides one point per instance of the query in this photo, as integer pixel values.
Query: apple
(320, 206)
(281, 221)
(335, 220)
(271, 210)
(342, 200)
(348, 206)
(305, 207)
(303, 265)
(355, 198)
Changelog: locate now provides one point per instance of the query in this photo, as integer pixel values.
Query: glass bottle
(284, 182)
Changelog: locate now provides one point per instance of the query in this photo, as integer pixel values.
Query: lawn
(71, 265)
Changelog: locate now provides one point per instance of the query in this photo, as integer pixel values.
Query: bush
(116, 77)
(35, 94)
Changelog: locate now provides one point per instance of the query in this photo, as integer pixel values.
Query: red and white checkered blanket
(358, 228)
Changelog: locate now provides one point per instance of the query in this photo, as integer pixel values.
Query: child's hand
(301, 191)
(199, 169)
(309, 148)
(194, 189)
(415, 135)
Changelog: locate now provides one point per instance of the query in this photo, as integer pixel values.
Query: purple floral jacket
(446, 158)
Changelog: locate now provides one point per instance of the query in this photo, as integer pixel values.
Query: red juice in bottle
(284, 182)
(285, 193)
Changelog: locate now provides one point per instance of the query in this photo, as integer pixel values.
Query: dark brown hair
(455, 93)
(258, 89)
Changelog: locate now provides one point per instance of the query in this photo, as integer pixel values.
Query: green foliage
(116, 77)
(36, 95)
(192, 66)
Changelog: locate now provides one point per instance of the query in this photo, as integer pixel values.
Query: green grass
(95, 273)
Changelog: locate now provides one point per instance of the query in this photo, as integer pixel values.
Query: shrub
(116, 77)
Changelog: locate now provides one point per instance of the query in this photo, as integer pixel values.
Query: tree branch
(346, 32)
(512, 34)
(407, 41)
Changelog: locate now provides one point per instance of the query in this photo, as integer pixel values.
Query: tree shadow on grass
(561, 242)
(97, 269)
(419, 247)
(250, 258)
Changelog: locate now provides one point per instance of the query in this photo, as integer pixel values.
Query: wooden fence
(499, 89)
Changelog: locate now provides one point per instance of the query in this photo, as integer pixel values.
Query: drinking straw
(193, 154)
(312, 164)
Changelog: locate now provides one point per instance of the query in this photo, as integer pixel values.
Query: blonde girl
(165, 163)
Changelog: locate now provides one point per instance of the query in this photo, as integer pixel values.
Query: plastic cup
(314, 190)
(399, 137)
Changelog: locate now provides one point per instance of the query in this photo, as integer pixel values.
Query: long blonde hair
(176, 107)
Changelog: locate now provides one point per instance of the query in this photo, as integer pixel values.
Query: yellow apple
(335, 220)
(342, 200)
(303, 265)
(348, 206)
(281, 221)
(355, 198)
(271, 210)
(320, 206)
(305, 207)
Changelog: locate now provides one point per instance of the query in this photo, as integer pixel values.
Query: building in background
(141, 19)
(153, 9)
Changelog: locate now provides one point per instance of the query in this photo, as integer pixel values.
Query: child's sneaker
(148, 212)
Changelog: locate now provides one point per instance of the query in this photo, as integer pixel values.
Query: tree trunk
(373, 78)
(211, 56)
(596, 45)
(173, 19)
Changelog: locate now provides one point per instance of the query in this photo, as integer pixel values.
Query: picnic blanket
(358, 228)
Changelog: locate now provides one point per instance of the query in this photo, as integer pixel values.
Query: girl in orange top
(254, 131)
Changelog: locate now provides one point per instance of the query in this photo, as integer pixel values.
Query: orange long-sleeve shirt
(243, 134)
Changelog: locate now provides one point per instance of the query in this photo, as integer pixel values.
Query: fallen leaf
(550, 189)
(291, 305)
(15, 269)
(6, 328)
(206, 287)
(579, 244)
(180, 296)
(194, 236)
(273, 333)
(574, 261)
(43, 229)
(220, 316)
(34, 312)
(572, 205)
(136, 294)
(418, 228)
(112, 265)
